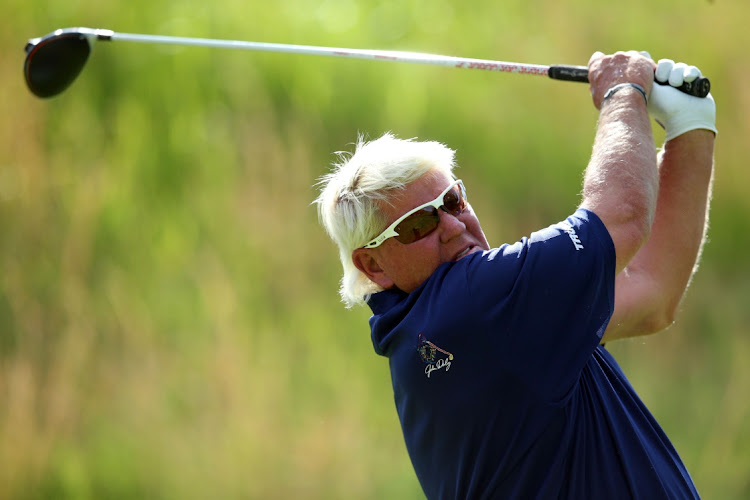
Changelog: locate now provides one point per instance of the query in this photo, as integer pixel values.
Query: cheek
(475, 229)
(412, 265)
(415, 258)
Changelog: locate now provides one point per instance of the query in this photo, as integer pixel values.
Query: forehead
(414, 194)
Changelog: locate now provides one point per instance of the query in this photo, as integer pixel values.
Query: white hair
(351, 196)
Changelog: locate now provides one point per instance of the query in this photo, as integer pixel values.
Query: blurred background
(169, 319)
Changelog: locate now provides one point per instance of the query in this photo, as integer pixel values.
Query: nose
(450, 226)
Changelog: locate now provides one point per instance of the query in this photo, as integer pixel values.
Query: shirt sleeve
(545, 301)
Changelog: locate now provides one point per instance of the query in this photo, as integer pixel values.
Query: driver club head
(54, 61)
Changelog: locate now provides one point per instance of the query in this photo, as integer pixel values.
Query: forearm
(649, 290)
(678, 231)
(620, 182)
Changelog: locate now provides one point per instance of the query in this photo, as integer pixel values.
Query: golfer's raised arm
(648, 293)
(621, 181)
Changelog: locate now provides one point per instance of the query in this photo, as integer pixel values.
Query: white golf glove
(674, 110)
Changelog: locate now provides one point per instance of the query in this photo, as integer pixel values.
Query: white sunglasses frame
(437, 203)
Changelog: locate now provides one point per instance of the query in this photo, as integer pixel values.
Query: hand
(622, 67)
(676, 111)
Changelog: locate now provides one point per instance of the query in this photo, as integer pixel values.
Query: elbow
(663, 315)
(658, 321)
(647, 324)
(628, 219)
(631, 233)
(640, 230)
(640, 217)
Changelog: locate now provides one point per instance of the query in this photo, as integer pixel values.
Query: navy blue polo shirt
(502, 387)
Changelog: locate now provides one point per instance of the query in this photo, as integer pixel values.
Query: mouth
(463, 253)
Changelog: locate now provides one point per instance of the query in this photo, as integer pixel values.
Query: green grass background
(169, 322)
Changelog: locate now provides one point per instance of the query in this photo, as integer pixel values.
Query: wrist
(625, 87)
(680, 125)
(699, 136)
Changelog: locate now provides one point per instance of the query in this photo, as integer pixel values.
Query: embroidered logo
(433, 356)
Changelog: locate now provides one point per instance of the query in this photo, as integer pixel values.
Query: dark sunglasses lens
(454, 201)
(53, 64)
(417, 225)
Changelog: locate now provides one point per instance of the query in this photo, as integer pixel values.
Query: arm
(620, 183)
(649, 290)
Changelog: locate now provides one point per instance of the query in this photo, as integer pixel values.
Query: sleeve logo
(434, 357)
(568, 228)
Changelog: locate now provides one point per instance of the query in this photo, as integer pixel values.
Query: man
(502, 383)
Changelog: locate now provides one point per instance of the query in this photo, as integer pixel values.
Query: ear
(366, 260)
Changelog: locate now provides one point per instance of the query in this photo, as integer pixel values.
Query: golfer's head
(396, 212)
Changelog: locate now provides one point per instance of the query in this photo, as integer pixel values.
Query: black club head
(54, 61)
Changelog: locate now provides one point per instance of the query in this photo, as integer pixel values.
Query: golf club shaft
(560, 72)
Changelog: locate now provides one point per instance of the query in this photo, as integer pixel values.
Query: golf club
(54, 61)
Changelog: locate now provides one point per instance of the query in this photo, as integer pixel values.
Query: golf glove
(674, 110)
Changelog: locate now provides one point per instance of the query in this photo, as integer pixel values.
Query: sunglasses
(421, 221)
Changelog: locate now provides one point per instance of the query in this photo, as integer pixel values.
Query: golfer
(501, 379)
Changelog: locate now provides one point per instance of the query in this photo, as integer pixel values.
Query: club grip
(699, 87)
(569, 73)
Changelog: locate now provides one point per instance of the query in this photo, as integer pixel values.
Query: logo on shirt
(434, 357)
(568, 228)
